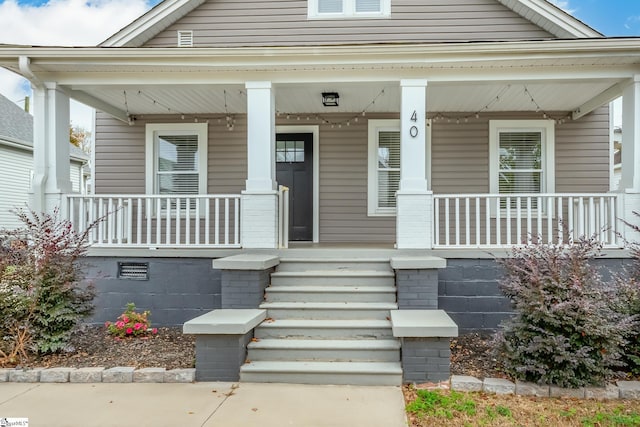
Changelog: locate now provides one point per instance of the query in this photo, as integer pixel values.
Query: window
(384, 166)
(521, 156)
(321, 9)
(176, 158)
(290, 151)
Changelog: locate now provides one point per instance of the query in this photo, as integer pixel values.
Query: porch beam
(596, 102)
(51, 176)
(98, 104)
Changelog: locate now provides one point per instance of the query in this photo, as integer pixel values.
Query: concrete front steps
(327, 323)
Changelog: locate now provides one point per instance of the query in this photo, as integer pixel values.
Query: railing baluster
(571, 221)
(187, 221)
(119, 225)
(467, 219)
(612, 221)
(581, 219)
(529, 225)
(487, 220)
(478, 221)
(436, 223)
(519, 220)
(446, 222)
(138, 221)
(112, 219)
(560, 222)
(539, 234)
(148, 218)
(216, 224)
(226, 221)
(592, 218)
(207, 220)
(158, 221)
(498, 220)
(508, 206)
(602, 222)
(167, 236)
(197, 233)
(457, 218)
(178, 220)
(236, 221)
(549, 219)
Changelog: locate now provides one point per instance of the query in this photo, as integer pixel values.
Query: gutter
(24, 64)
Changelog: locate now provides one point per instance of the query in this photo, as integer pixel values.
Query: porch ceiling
(354, 97)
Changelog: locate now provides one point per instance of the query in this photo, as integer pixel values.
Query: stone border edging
(619, 390)
(119, 374)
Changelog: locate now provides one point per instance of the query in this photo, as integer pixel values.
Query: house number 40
(413, 130)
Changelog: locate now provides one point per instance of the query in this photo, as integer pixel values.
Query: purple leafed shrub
(566, 330)
(41, 295)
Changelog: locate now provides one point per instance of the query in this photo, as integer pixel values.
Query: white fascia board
(554, 19)
(151, 23)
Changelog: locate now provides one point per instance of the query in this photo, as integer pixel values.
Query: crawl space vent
(133, 270)
(185, 38)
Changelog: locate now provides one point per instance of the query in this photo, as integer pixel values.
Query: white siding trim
(199, 129)
(315, 130)
(547, 129)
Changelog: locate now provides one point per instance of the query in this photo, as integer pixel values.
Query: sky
(87, 23)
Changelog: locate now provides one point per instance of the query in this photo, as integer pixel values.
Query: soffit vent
(133, 270)
(185, 38)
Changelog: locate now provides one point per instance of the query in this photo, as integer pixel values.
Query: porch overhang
(573, 76)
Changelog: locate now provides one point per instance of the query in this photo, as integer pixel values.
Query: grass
(451, 408)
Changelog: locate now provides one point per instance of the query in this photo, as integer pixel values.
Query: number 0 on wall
(413, 130)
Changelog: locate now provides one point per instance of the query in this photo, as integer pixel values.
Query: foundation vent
(185, 38)
(133, 270)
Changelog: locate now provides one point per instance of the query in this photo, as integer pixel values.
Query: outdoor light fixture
(330, 99)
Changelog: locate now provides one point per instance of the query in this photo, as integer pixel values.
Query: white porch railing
(210, 221)
(283, 217)
(500, 220)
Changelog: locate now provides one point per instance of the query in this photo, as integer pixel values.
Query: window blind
(520, 165)
(388, 168)
(330, 6)
(367, 6)
(178, 164)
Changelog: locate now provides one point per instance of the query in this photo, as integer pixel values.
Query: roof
(16, 125)
(541, 12)
(16, 129)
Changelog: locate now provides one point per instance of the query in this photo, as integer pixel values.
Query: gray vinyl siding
(460, 163)
(227, 23)
(343, 186)
(120, 155)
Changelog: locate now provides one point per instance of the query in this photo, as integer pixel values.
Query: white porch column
(630, 182)
(414, 203)
(259, 208)
(51, 178)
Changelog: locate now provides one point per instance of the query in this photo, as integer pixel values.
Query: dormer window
(327, 9)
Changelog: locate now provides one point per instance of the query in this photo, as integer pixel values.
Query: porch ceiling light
(330, 99)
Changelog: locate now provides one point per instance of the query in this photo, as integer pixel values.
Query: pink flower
(138, 326)
(154, 330)
(125, 319)
(107, 324)
(120, 324)
(129, 331)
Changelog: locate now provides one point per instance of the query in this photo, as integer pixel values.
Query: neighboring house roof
(540, 12)
(16, 129)
(16, 125)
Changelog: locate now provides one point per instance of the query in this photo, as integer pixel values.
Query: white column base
(414, 219)
(630, 204)
(259, 219)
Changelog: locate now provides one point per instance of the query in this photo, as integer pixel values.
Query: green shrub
(41, 295)
(566, 330)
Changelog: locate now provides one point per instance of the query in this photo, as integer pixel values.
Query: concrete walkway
(202, 404)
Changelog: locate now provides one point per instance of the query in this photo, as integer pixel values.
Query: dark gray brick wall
(417, 289)
(178, 289)
(425, 359)
(219, 357)
(244, 289)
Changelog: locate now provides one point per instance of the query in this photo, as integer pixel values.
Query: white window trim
(349, 11)
(372, 179)
(199, 129)
(547, 129)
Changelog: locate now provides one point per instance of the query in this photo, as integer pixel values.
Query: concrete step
(333, 278)
(328, 310)
(330, 294)
(324, 329)
(339, 264)
(324, 350)
(352, 373)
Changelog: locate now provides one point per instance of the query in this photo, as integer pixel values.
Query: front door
(294, 169)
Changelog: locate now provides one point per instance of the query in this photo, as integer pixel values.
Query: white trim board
(315, 130)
